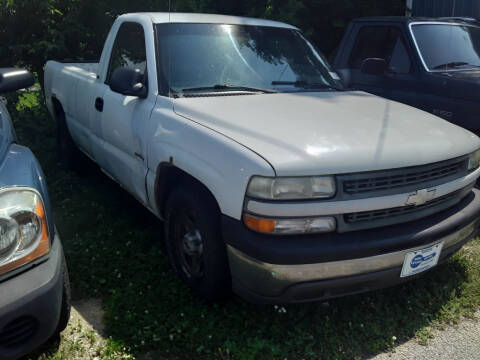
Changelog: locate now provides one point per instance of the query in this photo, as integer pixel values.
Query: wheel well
(169, 176)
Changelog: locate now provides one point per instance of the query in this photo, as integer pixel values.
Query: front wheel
(194, 244)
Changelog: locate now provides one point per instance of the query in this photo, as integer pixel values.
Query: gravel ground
(459, 342)
(90, 313)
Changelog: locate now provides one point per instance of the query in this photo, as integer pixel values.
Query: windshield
(448, 47)
(217, 58)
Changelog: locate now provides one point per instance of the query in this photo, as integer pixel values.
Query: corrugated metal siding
(439, 8)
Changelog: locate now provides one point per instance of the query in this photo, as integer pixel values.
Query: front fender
(221, 164)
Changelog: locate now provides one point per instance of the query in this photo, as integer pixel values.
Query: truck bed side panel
(72, 84)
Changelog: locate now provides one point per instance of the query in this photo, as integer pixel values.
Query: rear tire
(194, 243)
(68, 153)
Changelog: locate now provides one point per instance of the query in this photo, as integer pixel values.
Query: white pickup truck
(272, 178)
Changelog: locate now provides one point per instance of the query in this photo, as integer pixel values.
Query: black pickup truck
(431, 64)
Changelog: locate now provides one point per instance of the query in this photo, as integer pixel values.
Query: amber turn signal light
(260, 225)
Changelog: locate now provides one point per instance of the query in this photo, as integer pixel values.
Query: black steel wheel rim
(189, 246)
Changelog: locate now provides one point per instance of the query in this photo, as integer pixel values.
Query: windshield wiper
(306, 84)
(230, 87)
(452, 64)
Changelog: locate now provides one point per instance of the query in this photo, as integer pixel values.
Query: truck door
(123, 119)
(399, 81)
(441, 93)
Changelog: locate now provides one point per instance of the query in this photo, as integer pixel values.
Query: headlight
(291, 188)
(291, 226)
(23, 228)
(474, 160)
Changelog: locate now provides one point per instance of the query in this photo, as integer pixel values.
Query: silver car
(34, 284)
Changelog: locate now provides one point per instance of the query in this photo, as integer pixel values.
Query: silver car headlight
(474, 160)
(292, 188)
(23, 228)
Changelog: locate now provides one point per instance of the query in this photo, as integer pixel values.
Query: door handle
(99, 104)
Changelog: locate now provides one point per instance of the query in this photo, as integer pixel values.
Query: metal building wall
(439, 8)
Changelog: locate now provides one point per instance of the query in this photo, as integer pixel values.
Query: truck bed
(71, 83)
(83, 67)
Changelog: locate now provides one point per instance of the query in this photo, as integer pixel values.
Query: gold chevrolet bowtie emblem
(421, 197)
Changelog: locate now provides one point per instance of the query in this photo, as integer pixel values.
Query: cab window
(128, 50)
(384, 42)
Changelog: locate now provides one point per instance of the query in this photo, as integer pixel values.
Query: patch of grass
(76, 343)
(114, 251)
(423, 335)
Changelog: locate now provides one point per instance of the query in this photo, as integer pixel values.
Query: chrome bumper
(270, 281)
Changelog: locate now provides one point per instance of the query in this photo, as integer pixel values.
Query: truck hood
(330, 132)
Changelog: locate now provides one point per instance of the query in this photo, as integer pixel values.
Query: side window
(382, 42)
(128, 49)
(400, 60)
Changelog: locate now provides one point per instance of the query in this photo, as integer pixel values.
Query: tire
(68, 153)
(66, 301)
(194, 243)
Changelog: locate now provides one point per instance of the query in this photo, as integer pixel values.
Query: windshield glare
(203, 55)
(447, 47)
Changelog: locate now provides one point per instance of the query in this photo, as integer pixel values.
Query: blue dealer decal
(420, 259)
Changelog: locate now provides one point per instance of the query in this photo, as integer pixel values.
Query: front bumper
(30, 305)
(269, 269)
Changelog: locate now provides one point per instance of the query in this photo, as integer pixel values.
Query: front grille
(398, 211)
(18, 332)
(402, 178)
(402, 214)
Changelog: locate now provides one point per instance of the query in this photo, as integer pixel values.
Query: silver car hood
(330, 132)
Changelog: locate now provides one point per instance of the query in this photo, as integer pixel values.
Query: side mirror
(374, 66)
(12, 79)
(128, 82)
(346, 76)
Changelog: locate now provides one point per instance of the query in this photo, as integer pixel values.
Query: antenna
(169, 53)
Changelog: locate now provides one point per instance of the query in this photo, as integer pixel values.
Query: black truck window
(128, 49)
(384, 42)
(448, 46)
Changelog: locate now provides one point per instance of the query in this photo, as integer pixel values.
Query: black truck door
(385, 42)
(439, 89)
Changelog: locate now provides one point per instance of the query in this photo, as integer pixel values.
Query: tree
(34, 31)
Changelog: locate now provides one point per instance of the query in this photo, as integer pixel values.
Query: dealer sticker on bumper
(420, 260)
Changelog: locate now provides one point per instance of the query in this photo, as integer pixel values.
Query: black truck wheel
(194, 243)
